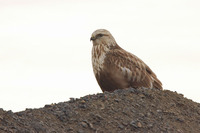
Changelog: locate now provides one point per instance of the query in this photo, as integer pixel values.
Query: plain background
(45, 52)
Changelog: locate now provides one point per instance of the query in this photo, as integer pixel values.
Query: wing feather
(134, 71)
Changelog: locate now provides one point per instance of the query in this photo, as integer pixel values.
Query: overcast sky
(45, 52)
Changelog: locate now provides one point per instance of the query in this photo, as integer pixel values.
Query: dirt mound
(131, 110)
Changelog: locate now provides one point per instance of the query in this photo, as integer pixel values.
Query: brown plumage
(115, 68)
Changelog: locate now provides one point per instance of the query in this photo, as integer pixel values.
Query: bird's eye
(99, 35)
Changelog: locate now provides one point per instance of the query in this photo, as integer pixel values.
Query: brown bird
(115, 68)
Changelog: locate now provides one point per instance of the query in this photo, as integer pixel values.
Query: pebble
(142, 95)
(120, 126)
(84, 124)
(150, 125)
(139, 124)
(159, 111)
(179, 119)
(71, 99)
(148, 114)
(116, 100)
(136, 124)
(82, 106)
(80, 131)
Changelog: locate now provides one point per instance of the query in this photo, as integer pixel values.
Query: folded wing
(127, 70)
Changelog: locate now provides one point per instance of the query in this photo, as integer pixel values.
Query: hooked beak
(92, 38)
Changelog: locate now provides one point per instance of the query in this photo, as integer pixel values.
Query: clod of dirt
(122, 111)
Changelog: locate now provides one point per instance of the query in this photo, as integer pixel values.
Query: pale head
(102, 37)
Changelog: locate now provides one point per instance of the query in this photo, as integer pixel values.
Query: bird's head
(102, 37)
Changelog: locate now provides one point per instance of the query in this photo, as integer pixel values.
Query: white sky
(45, 52)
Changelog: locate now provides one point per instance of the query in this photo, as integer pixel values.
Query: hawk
(115, 68)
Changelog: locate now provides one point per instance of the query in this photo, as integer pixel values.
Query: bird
(116, 68)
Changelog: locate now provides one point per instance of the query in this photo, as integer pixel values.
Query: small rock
(71, 99)
(47, 106)
(132, 90)
(141, 114)
(91, 126)
(136, 124)
(172, 104)
(102, 106)
(139, 124)
(150, 125)
(10, 112)
(86, 98)
(148, 114)
(159, 111)
(137, 105)
(118, 91)
(99, 117)
(179, 131)
(179, 119)
(125, 123)
(80, 131)
(82, 101)
(82, 106)
(116, 100)
(133, 123)
(120, 126)
(198, 112)
(84, 124)
(142, 95)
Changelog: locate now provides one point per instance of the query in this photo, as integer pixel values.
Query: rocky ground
(123, 111)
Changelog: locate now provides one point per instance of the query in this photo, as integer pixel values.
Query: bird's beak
(92, 38)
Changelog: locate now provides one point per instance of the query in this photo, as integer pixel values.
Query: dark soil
(123, 111)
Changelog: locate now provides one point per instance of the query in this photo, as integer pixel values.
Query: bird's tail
(157, 84)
